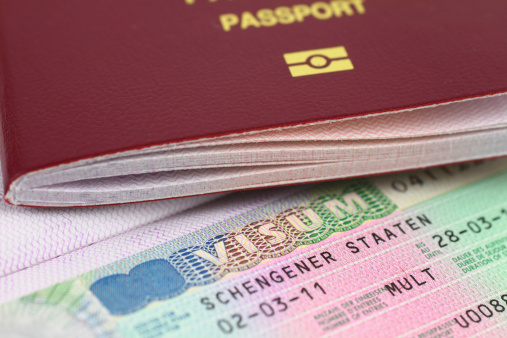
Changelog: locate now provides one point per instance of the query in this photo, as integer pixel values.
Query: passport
(111, 102)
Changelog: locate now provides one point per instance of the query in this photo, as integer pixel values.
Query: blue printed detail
(196, 270)
(154, 280)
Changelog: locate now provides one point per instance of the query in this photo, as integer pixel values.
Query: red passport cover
(82, 78)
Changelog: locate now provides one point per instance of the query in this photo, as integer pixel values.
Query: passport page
(419, 254)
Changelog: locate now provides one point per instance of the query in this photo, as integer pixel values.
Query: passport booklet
(110, 102)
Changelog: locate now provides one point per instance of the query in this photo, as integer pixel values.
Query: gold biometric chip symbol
(318, 61)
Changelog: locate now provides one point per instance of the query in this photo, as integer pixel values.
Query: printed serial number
(476, 314)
